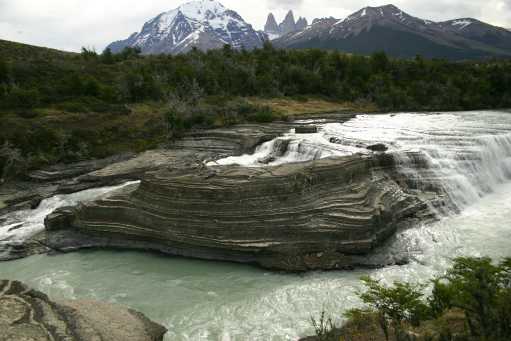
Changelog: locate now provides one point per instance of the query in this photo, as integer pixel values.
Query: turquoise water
(200, 300)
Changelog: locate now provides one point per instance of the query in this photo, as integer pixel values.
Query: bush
(401, 303)
(12, 162)
(264, 115)
(22, 98)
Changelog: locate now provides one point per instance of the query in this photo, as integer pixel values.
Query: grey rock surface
(27, 314)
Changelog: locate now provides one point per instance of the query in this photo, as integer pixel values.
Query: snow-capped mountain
(390, 29)
(288, 25)
(204, 24)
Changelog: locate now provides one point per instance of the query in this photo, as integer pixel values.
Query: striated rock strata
(324, 214)
(27, 314)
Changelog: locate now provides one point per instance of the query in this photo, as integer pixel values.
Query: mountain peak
(271, 27)
(289, 24)
(301, 24)
(204, 24)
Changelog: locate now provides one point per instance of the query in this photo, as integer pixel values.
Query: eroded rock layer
(324, 214)
(27, 314)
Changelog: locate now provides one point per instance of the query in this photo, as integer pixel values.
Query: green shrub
(263, 116)
(12, 162)
(22, 98)
(401, 303)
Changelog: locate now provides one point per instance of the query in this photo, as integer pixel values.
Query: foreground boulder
(324, 214)
(27, 314)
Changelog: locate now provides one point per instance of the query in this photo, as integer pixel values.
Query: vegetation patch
(470, 302)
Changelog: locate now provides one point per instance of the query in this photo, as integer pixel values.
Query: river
(468, 153)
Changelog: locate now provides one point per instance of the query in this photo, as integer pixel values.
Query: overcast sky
(71, 24)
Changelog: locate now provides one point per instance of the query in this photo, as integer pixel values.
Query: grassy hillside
(13, 51)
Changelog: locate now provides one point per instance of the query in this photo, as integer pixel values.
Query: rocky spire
(289, 24)
(271, 26)
(301, 24)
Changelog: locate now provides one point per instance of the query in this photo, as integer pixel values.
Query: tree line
(101, 81)
(42, 92)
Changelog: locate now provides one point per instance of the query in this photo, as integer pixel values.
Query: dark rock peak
(301, 23)
(271, 25)
(290, 16)
(289, 24)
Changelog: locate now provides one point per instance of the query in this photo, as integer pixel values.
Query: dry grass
(293, 107)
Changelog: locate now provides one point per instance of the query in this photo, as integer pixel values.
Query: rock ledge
(27, 314)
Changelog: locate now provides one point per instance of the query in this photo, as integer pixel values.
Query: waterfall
(463, 156)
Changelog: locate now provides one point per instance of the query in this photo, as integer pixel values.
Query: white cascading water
(464, 155)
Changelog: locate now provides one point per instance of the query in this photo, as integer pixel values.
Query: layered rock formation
(187, 152)
(325, 214)
(27, 314)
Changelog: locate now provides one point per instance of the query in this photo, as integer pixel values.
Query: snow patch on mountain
(462, 23)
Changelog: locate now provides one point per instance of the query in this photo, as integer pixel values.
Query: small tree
(89, 53)
(175, 115)
(482, 290)
(395, 305)
(107, 56)
(323, 327)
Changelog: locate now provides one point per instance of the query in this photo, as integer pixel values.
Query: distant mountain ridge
(288, 25)
(204, 24)
(207, 24)
(390, 29)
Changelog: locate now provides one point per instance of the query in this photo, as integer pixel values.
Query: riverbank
(30, 314)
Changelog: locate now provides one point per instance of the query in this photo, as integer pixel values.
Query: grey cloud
(285, 3)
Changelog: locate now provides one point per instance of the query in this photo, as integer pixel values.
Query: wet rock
(27, 314)
(279, 149)
(379, 147)
(34, 203)
(306, 130)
